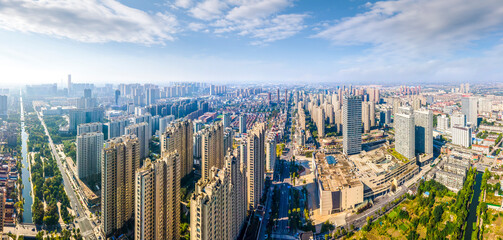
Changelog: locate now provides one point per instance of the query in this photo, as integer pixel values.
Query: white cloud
(87, 20)
(208, 9)
(257, 9)
(418, 26)
(260, 20)
(196, 27)
(183, 3)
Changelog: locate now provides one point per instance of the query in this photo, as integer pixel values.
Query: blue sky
(251, 41)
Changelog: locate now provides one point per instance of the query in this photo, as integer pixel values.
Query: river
(472, 214)
(25, 172)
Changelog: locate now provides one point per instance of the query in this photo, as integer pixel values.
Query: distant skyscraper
(179, 137)
(158, 199)
(469, 108)
(405, 132)
(116, 127)
(366, 117)
(242, 123)
(270, 154)
(121, 158)
(352, 125)
(89, 147)
(88, 93)
(227, 119)
(443, 123)
(164, 122)
(144, 133)
(3, 106)
(117, 96)
(424, 131)
(212, 149)
(372, 113)
(256, 164)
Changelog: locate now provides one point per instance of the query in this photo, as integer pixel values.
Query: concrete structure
(443, 123)
(144, 133)
(339, 189)
(424, 131)
(469, 108)
(270, 154)
(256, 164)
(89, 154)
(121, 159)
(116, 127)
(458, 120)
(462, 136)
(89, 128)
(366, 117)
(157, 199)
(212, 149)
(3, 106)
(226, 118)
(242, 123)
(405, 132)
(179, 137)
(352, 125)
(164, 122)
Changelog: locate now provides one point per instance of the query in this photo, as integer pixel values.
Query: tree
(51, 217)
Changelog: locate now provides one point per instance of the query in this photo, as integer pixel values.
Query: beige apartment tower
(212, 149)
(179, 137)
(218, 205)
(157, 201)
(121, 158)
(256, 164)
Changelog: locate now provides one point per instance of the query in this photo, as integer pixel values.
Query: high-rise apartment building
(179, 137)
(242, 123)
(469, 108)
(405, 141)
(424, 131)
(226, 119)
(270, 154)
(3, 106)
(89, 153)
(116, 127)
(212, 149)
(461, 136)
(89, 127)
(256, 164)
(443, 123)
(372, 113)
(144, 133)
(2, 209)
(157, 200)
(366, 117)
(198, 145)
(458, 120)
(352, 125)
(218, 205)
(121, 159)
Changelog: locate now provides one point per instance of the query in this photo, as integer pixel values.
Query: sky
(251, 41)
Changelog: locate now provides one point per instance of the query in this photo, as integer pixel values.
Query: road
(86, 228)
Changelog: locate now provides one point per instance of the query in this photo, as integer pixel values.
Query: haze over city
(251, 119)
(253, 41)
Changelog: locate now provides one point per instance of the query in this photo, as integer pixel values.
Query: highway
(86, 228)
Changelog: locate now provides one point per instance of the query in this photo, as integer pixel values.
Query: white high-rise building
(89, 128)
(458, 120)
(3, 105)
(179, 137)
(366, 117)
(89, 150)
(164, 123)
(462, 136)
(424, 131)
(469, 108)
(117, 127)
(352, 125)
(212, 149)
(405, 132)
(443, 123)
(270, 154)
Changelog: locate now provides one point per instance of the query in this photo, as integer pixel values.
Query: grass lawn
(492, 199)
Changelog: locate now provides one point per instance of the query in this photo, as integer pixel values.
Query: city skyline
(262, 41)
